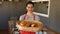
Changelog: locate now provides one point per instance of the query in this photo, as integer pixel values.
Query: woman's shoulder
(21, 17)
(37, 15)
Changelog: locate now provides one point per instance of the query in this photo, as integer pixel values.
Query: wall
(54, 19)
(10, 9)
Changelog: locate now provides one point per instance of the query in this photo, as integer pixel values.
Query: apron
(27, 32)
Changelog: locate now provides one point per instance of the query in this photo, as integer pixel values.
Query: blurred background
(13, 9)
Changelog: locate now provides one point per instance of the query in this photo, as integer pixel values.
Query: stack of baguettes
(32, 26)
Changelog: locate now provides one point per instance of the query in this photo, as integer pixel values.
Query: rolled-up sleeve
(21, 17)
(37, 18)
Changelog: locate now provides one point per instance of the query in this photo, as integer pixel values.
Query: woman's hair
(30, 3)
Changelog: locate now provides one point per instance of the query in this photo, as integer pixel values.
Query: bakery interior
(47, 10)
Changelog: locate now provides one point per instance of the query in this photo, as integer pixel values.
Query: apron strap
(26, 15)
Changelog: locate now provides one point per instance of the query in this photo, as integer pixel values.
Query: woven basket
(38, 26)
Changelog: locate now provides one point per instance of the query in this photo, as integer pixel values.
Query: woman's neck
(29, 14)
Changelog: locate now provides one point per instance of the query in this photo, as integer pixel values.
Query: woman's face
(30, 8)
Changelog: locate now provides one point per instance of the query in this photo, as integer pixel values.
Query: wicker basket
(38, 26)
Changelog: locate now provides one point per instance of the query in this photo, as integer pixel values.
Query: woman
(29, 16)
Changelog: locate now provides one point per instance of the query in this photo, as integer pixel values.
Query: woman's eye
(28, 7)
(31, 7)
